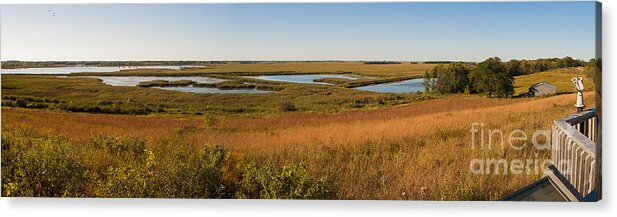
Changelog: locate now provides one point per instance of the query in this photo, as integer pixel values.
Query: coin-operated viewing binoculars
(578, 84)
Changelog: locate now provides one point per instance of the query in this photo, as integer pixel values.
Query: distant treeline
(382, 62)
(432, 62)
(524, 67)
(491, 77)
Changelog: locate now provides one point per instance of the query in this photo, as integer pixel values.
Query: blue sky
(468, 31)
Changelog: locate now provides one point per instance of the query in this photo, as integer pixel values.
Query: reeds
(418, 151)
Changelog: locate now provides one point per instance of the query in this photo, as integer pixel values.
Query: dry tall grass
(418, 151)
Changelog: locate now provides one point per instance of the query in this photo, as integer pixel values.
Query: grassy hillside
(558, 77)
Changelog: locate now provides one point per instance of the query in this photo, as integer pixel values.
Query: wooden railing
(574, 150)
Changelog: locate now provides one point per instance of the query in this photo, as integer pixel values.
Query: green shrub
(287, 106)
(46, 165)
(119, 146)
(290, 182)
(40, 166)
(21, 103)
(209, 177)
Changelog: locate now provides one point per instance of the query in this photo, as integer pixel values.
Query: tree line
(524, 67)
(382, 62)
(491, 77)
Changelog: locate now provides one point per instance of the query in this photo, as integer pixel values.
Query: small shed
(542, 89)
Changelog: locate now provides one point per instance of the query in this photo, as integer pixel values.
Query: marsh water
(72, 69)
(134, 80)
(304, 79)
(407, 86)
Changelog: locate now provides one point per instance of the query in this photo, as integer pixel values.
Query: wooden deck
(575, 174)
(574, 150)
(553, 187)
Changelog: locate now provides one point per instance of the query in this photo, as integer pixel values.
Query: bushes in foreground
(30, 170)
(290, 182)
(46, 165)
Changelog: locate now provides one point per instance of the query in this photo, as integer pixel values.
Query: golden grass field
(417, 151)
(558, 77)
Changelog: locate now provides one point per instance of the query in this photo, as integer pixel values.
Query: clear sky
(350, 31)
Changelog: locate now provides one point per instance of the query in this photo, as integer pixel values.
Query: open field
(339, 142)
(313, 101)
(558, 77)
(418, 151)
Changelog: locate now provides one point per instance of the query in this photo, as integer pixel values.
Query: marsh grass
(86, 95)
(303, 141)
(38, 164)
(418, 151)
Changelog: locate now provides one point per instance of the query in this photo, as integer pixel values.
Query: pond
(407, 86)
(72, 69)
(304, 79)
(134, 80)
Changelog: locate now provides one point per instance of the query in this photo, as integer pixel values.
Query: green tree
(429, 78)
(592, 68)
(514, 67)
(451, 78)
(491, 78)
